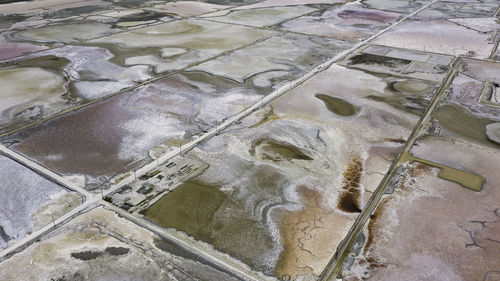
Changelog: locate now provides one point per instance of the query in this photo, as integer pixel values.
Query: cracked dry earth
(93, 90)
(431, 229)
(305, 242)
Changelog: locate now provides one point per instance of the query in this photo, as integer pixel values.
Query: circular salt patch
(493, 132)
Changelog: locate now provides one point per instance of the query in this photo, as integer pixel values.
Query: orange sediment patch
(309, 236)
(376, 222)
(420, 169)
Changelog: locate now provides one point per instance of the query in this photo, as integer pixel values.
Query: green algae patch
(459, 121)
(394, 64)
(117, 251)
(189, 208)
(86, 255)
(466, 179)
(276, 151)
(223, 220)
(337, 105)
(411, 104)
(48, 62)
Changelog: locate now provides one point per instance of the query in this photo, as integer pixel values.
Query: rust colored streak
(349, 197)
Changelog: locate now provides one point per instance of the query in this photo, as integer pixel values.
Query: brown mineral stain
(349, 198)
(395, 140)
(373, 227)
(373, 223)
(349, 202)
